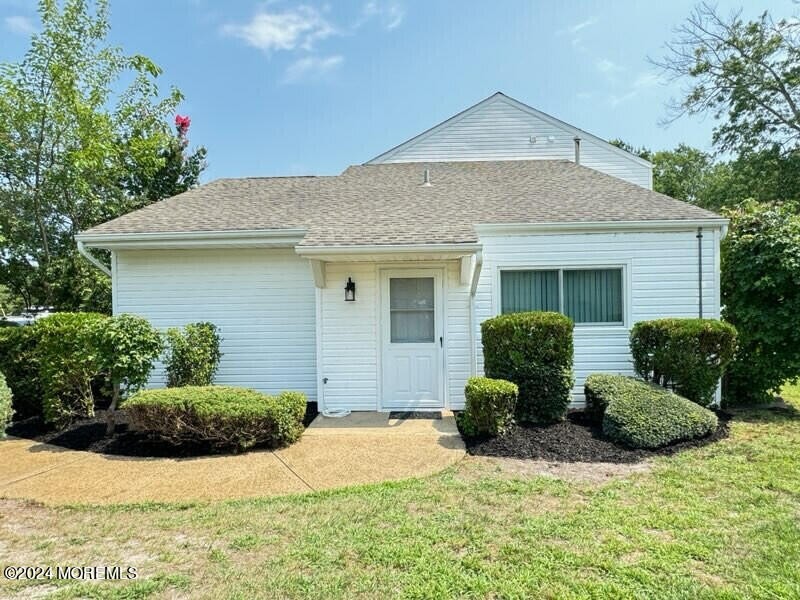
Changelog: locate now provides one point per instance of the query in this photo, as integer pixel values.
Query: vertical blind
(529, 290)
(589, 295)
(593, 296)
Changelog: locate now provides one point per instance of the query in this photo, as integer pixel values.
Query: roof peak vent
(426, 178)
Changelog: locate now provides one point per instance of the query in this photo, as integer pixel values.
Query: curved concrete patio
(361, 448)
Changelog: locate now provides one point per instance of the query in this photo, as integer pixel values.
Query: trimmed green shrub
(489, 406)
(533, 350)
(192, 355)
(19, 362)
(67, 364)
(598, 389)
(6, 410)
(127, 346)
(224, 417)
(643, 415)
(689, 355)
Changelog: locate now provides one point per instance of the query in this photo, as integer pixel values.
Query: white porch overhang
(469, 255)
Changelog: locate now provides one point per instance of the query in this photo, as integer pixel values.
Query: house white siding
(660, 280)
(350, 338)
(262, 300)
(350, 335)
(500, 128)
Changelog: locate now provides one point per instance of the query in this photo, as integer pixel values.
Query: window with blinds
(584, 295)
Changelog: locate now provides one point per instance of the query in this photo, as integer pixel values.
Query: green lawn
(722, 521)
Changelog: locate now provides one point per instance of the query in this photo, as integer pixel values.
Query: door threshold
(403, 415)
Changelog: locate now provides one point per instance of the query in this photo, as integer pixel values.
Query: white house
(500, 208)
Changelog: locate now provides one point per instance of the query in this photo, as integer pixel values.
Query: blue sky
(280, 87)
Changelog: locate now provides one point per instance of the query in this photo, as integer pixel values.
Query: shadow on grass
(778, 411)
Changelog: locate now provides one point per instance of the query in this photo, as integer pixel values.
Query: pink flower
(182, 123)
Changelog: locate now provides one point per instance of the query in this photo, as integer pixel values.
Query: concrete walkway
(361, 448)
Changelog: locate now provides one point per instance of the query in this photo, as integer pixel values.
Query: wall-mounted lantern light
(350, 290)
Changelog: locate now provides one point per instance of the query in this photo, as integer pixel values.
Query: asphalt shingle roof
(387, 203)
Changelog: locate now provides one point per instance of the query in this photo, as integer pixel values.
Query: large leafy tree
(746, 74)
(760, 287)
(78, 147)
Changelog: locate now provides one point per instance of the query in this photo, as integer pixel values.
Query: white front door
(412, 339)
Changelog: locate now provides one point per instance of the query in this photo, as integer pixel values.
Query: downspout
(577, 141)
(700, 271)
(85, 253)
(476, 273)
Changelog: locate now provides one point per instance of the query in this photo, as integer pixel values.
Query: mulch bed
(576, 440)
(89, 435)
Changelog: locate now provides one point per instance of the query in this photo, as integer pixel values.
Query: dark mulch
(576, 440)
(89, 435)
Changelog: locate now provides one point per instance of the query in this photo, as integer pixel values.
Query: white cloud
(573, 29)
(19, 24)
(390, 14)
(574, 32)
(270, 31)
(615, 100)
(646, 80)
(311, 67)
(605, 65)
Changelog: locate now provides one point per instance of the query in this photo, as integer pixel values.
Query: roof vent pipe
(426, 181)
(577, 141)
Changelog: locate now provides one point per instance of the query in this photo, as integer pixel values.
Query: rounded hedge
(67, 364)
(642, 415)
(6, 411)
(598, 389)
(20, 364)
(223, 417)
(489, 407)
(688, 354)
(533, 350)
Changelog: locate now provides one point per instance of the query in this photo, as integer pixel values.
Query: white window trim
(627, 286)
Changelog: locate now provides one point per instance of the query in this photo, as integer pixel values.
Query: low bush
(689, 355)
(533, 350)
(19, 362)
(192, 355)
(489, 406)
(6, 410)
(67, 364)
(642, 415)
(598, 389)
(223, 417)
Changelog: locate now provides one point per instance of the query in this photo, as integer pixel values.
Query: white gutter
(600, 226)
(188, 239)
(85, 253)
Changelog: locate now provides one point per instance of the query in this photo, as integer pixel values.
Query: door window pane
(593, 295)
(522, 291)
(411, 310)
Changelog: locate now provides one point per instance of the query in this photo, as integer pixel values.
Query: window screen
(585, 295)
(411, 310)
